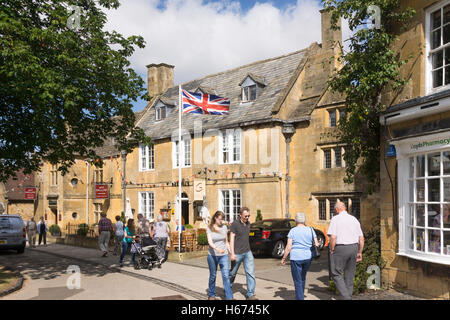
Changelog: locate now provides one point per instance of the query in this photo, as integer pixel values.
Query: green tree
(369, 68)
(64, 90)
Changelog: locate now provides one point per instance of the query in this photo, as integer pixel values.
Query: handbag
(315, 252)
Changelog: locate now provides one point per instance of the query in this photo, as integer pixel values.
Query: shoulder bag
(315, 252)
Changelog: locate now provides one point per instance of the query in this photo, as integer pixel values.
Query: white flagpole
(180, 106)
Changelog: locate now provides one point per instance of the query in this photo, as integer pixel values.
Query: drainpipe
(288, 131)
(124, 186)
(87, 192)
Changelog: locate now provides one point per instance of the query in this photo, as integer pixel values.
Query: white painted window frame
(229, 135)
(185, 161)
(405, 150)
(147, 204)
(232, 213)
(428, 63)
(146, 153)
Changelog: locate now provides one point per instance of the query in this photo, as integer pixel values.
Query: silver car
(12, 233)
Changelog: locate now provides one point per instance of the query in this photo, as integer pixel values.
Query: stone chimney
(329, 36)
(159, 78)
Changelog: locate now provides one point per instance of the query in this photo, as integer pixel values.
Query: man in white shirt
(346, 246)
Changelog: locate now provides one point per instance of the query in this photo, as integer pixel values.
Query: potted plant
(55, 230)
(83, 229)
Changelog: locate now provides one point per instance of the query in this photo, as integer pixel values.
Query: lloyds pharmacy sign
(425, 144)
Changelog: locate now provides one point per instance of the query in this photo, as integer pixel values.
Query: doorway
(184, 208)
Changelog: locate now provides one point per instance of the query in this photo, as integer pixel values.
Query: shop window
(427, 218)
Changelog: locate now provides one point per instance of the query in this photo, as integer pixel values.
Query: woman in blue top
(129, 232)
(299, 244)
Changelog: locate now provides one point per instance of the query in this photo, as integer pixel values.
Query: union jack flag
(204, 103)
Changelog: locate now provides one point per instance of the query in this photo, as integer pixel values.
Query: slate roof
(277, 73)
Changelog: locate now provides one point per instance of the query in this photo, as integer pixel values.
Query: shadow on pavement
(38, 265)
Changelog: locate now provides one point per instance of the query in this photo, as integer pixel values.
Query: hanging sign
(101, 191)
(30, 193)
(199, 189)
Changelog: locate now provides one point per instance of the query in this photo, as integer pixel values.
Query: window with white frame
(185, 157)
(147, 204)
(438, 45)
(230, 203)
(146, 157)
(161, 112)
(230, 146)
(427, 216)
(98, 209)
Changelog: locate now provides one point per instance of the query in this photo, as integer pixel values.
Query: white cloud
(201, 39)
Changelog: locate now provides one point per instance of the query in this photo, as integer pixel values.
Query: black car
(270, 236)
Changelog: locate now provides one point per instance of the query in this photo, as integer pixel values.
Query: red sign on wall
(30, 193)
(101, 191)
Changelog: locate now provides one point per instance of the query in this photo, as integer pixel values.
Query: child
(134, 247)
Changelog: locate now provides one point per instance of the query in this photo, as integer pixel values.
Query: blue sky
(201, 37)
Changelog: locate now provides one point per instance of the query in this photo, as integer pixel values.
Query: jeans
(223, 262)
(125, 246)
(299, 269)
(118, 243)
(249, 266)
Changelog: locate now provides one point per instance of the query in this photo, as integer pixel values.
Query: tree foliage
(369, 67)
(63, 91)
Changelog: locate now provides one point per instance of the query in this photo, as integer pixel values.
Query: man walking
(104, 230)
(119, 227)
(240, 252)
(31, 232)
(346, 246)
(143, 226)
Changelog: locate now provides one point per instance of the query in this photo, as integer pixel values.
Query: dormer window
(163, 108)
(161, 112)
(249, 93)
(251, 87)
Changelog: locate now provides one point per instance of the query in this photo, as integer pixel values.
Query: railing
(72, 229)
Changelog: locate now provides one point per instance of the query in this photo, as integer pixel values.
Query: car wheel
(278, 250)
(321, 240)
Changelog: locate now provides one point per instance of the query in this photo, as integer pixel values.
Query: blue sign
(391, 151)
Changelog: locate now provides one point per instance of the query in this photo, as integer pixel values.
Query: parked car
(270, 236)
(12, 233)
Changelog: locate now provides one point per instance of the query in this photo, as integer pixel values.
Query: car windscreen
(11, 223)
(262, 224)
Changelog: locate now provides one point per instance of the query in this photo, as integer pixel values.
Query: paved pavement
(102, 278)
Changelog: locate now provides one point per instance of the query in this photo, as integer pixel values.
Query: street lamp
(288, 131)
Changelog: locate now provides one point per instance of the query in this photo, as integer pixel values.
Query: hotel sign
(101, 191)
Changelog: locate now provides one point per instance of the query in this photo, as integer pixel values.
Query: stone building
(415, 176)
(276, 151)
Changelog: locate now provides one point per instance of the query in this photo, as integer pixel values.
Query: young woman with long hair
(218, 255)
(129, 232)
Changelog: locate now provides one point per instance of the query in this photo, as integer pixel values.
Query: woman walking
(129, 233)
(160, 237)
(218, 255)
(300, 240)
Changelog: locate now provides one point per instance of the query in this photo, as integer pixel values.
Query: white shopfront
(424, 197)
